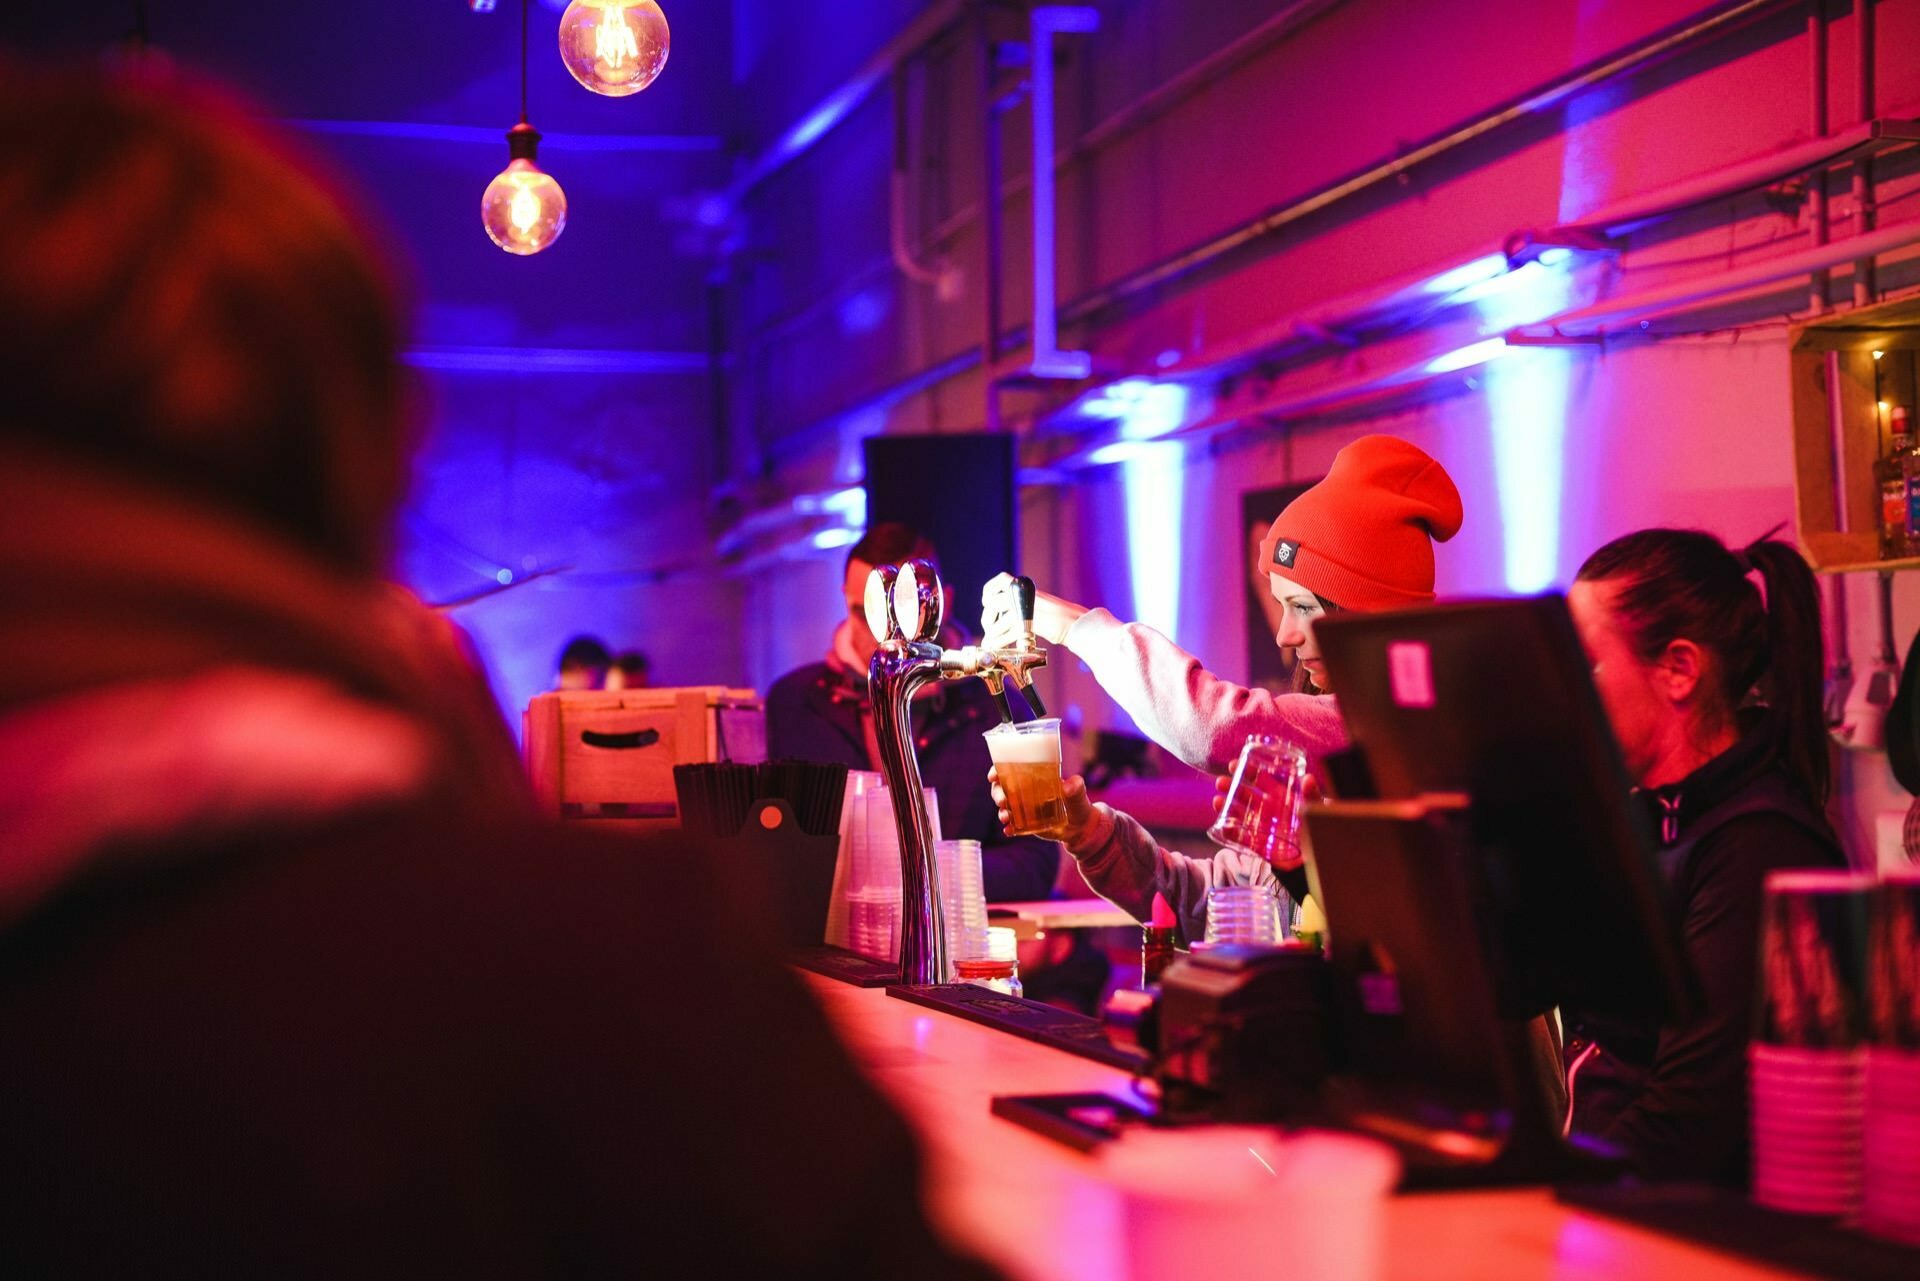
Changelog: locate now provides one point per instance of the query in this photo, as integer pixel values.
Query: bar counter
(1038, 1209)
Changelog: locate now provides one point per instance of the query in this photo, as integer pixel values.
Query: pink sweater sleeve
(1188, 710)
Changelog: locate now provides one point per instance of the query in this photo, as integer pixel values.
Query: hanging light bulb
(614, 47)
(523, 209)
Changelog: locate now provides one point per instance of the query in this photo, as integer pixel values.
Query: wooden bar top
(1041, 1211)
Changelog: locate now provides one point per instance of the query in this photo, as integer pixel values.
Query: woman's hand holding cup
(1073, 791)
(1309, 794)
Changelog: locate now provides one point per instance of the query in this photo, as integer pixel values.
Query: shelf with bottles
(1861, 368)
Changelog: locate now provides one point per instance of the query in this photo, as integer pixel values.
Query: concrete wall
(1692, 429)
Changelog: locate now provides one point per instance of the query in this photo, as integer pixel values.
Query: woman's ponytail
(1791, 681)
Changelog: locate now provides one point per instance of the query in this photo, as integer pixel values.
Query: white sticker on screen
(1410, 669)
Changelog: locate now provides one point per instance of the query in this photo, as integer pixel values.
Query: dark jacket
(813, 714)
(293, 986)
(1675, 1097)
(409, 1045)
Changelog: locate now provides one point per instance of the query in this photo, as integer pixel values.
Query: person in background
(293, 984)
(1360, 539)
(821, 712)
(630, 670)
(1709, 663)
(584, 664)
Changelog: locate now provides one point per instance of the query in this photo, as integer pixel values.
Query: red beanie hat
(1363, 537)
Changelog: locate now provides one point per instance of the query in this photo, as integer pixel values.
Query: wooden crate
(609, 754)
(1835, 498)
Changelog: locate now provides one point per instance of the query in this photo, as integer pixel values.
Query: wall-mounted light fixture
(1555, 246)
(523, 208)
(614, 47)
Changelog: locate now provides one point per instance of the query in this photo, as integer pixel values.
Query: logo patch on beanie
(1284, 553)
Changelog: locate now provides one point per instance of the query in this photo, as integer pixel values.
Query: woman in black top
(1709, 663)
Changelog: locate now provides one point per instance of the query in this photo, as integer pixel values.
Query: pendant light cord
(523, 61)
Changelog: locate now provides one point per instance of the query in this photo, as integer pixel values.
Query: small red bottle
(1156, 942)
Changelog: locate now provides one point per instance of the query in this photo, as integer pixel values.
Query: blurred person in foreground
(292, 986)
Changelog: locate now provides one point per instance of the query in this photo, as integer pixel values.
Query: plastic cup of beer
(1027, 759)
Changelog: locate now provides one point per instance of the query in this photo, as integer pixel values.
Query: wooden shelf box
(609, 754)
(1834, 370)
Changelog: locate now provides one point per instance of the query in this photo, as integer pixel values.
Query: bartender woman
(1361, 539)
(1709, 664)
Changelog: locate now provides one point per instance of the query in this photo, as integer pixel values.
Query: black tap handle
(1025, 585)
(1000, 698)
(1031, 693)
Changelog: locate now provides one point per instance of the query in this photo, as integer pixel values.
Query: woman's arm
(1194, 714)
(1125, 866)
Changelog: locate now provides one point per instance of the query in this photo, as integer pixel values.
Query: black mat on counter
(848, 967)
(1047, 1024)
(1726, 1220)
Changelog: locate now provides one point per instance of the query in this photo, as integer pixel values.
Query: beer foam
(1023, 749)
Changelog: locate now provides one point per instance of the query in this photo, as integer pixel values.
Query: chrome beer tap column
(904, 609)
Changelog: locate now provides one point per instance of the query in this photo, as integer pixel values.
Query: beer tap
(1013, 661)
(905, 607)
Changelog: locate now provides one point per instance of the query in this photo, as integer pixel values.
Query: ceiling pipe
(986, 68)
(1719, 21)
(1636, 57)
(1868, 138)
(941, 274)
(1160, 100)
(827, 114)
(1684, 294)
(1048, 361)
(1819, 127)
(1839, 674)
(1863, 284)
(1411, 377)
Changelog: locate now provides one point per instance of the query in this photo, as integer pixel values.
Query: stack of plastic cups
(1890, 1206)
(873, 899)
(963, 898)
(1808, 1064)
(873, 917)
(853, 818)
(1244, 914)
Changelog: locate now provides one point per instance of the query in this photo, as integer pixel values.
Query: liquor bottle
(1895, 474)
(1910, 465)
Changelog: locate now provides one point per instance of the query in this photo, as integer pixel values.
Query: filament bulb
(614, 47)
(523, 209)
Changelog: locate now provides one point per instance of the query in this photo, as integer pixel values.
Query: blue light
(1527, 417)
(1145, 410)
(863, 312)
(1467, 273)
(1120, 451)
(818, 121)
(1472, 354)
(1154, 483)
(849, 504)
(829, 538)
(503, 577)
